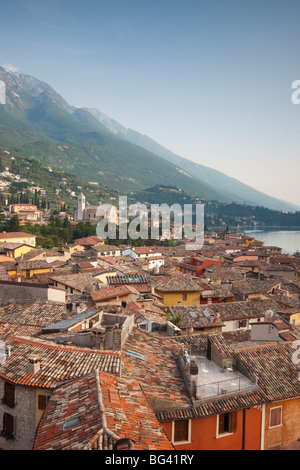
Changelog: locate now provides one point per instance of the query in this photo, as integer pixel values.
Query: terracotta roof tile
(58, 363)
(102, 408)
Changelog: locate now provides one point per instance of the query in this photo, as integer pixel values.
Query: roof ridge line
(102, 408)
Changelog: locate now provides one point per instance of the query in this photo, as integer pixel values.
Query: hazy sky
(210, 80)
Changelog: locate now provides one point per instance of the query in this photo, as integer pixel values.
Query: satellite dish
(269, 314)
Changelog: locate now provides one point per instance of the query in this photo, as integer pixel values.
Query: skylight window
(192, 314)
(71, 423)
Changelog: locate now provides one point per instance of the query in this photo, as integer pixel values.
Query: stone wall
(24, 413)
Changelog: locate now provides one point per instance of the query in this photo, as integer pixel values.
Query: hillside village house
(195, 265)
(30, 268)
(222, 317)
(72, 249)
(89, 242)
(237, 256)
(187, 290)
(279, 377)
(289, 309)
(15, 250)
(27, 213)
(75, 283)
(31, 372)
(18, 237)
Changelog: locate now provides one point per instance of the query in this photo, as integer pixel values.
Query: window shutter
(221, 423)
(275, 416)
(8, 423)
(233, 421)
(42, 402)
(181, 431)
(9, 393)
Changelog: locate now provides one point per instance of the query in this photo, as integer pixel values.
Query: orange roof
(110, 293)
(111, 410)
(15, 235)
(76, 362)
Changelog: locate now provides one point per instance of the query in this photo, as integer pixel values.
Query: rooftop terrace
(213, 381)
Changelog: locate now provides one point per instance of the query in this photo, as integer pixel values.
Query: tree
(13, 225)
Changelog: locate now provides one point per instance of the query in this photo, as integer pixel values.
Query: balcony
(213, 381)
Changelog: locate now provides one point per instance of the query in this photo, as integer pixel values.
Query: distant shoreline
(250, 228)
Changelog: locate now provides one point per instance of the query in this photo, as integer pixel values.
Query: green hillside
(40, 125)
(49, 181)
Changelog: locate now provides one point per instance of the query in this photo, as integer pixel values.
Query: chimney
(69, 308)
(193, 377)
(109, 334)
(34, 364)
(78, 308)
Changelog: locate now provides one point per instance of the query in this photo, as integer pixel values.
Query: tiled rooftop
(158, 371)
(183, 282)
(81, 281)
(226, 312)
(108, 293)
(38, 313)
(253, 286)
(103, 409)
(58, 363)
(274, 366)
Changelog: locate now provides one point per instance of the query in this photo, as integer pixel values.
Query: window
(71, 423)
(9, 393)
(8, 423)
(275, 447)
(242, 323)
(275, 417)
(181, 430)
(227, 423)
(184, 297)
(42, 401)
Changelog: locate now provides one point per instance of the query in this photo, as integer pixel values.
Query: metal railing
(234, 384)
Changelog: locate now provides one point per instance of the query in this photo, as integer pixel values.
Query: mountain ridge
(38, 122)
(232, 187)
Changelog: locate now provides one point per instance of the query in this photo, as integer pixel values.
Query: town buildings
(100, 349)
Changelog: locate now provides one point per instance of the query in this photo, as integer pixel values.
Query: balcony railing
(213, 389)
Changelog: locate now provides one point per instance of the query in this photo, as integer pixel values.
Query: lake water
(288, 240)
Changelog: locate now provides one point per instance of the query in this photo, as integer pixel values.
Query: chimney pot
(34, 364)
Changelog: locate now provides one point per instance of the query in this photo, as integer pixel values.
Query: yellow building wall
(103, 276)
(295, 319)
(12, 272)
(289, 431)
(174, 298)
(22, 250)
(75, 249)
(38, 412)
(28, 240)
(36, 271)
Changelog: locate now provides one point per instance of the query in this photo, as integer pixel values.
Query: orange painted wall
(289, 431)
(204, 431)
